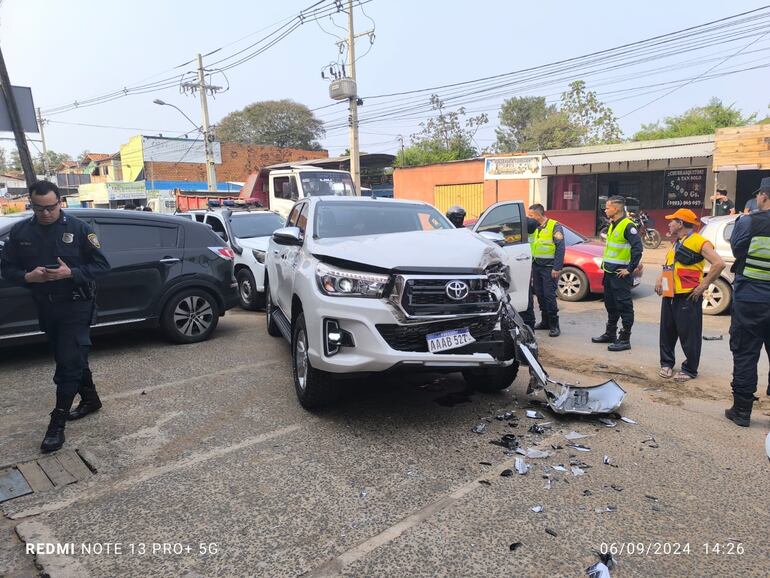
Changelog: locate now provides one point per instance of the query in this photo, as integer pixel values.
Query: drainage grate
(46, 473)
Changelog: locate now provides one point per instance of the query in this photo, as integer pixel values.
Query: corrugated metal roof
(701, 149)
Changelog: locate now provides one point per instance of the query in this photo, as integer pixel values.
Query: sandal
(682, 377)
(666, 372)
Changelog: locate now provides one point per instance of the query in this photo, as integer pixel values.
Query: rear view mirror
(288, 236)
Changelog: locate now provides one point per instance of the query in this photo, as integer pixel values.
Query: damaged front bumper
(561, 397)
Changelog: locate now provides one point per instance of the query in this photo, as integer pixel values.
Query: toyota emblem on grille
(457, 290)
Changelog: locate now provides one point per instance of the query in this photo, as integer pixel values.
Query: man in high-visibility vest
(622, 255)
(547, 261)
(528, 316)
(682, 284)
(750, 326)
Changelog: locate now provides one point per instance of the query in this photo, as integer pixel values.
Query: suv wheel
(250, 298)
(717, 297)
(314, 388)
(572, 284)
(272, 328)
(493, 379)
(190, 316)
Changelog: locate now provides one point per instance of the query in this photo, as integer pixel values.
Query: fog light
(335, 337)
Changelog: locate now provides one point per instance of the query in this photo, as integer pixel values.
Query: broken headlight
(343, 283)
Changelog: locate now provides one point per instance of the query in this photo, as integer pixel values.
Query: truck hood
(259, 243)
(450, 250)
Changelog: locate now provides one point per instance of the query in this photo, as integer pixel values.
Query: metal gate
(470, 197)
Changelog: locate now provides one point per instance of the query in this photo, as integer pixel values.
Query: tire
(572, 285)
(314, 388)
(247, 290)
(272, 328)
(493, 379)
(652, 239)
(717, 298)
(190, 316)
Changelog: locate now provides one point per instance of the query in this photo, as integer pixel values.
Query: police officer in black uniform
(528, 316)
(58, 258)
(750, 323)
(546, 267)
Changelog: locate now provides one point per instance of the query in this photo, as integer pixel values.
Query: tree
(54, 160)
(594, 120)
(3, 161)
(280, 123)
(82, 157)
(528, 123)
(695, 121)
(15, 161)
(446, 137)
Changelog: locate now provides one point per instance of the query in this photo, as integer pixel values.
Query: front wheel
(492, 379)
(652, 239)
(572, 285)
(247, 290)
(314, 388)
(717, 297)
(190, 316)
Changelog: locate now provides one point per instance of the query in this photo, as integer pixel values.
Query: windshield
(572, 237)
(316, 184)
(354, 219)
(246, 226)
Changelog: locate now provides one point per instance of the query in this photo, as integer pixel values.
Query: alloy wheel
(300, 359)
(193, 315)
(569, 284)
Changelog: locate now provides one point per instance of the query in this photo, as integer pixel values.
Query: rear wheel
(492, 379)
(190, 316)
(572, 285)
(717, 297)
(314, 388)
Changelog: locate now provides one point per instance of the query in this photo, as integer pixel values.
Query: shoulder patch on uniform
(68, 237)
(94, 240)
(558, 236)
(634, 231)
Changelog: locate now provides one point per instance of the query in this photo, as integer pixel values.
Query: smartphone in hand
(53, 266)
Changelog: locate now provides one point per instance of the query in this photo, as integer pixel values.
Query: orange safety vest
(687, 277)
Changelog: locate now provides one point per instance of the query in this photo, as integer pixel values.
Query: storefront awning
(702, 149)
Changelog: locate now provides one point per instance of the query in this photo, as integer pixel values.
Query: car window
(116, 236)
(302, 220)
(506, 220)
(286, 188)
(728, 231)
(217, 226)
(250, 225)
(292, 220)
(571, 237)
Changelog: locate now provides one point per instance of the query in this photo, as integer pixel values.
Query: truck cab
(279, 189)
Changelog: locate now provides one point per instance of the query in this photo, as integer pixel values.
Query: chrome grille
(427, 296)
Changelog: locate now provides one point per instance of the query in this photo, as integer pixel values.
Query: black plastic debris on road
(485, 482)
(508, 441)
(506, 473)
(713, 337)
(551, 531)
(505, 416)
(515, 546)
(485, 463)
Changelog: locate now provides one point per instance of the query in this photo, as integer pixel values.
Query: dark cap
(764, 186)
(721, 189)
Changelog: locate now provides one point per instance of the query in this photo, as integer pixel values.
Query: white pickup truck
(361, 286)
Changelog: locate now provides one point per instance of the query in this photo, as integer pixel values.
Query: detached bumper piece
(562, 397)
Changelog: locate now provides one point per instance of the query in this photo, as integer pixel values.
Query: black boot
(543, 323)
(740, 413)
(54, 436)
(555, 330)
(623, 342)
(89, 399)
(610, 335)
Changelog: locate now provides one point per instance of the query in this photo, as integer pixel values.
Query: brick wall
(238, 161)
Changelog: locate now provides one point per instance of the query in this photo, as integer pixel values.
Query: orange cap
(685, 215)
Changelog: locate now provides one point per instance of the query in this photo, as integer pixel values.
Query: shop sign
(518, 167)
(568, 195)
(684, 188)
(122, 191)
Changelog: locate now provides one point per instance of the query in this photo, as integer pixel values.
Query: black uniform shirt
(32, 245)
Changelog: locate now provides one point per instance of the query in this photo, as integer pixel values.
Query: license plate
(446, 340)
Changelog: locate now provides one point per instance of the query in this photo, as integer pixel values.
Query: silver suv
(361, 286)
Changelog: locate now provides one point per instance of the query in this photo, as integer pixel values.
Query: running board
(283, 324)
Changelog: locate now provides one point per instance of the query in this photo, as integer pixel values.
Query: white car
(361, 286)
(719, 295)
(248, 232)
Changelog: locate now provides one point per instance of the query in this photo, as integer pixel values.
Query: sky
(70, 51)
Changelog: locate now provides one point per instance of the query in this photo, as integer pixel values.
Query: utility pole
(40, 123)
(202, 87)
(355, 161)
(18, 131)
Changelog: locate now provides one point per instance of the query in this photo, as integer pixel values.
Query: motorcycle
(651, 238)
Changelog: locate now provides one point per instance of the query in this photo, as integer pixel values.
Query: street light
(164, 103)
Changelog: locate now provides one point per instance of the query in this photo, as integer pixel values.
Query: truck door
(286, 260)
(509, 220)
(283, 193)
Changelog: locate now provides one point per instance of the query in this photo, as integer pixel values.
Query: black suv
(166, 271)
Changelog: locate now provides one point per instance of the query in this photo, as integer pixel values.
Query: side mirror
(496, 238)
(288, 236)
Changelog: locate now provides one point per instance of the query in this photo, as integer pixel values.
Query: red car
(582, 273)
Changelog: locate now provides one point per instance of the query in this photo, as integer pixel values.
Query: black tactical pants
(749, 332)
(67, 324)
(681, 319)
(617, 300)
(545, 289)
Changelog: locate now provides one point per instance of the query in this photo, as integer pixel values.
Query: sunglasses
(45, 208)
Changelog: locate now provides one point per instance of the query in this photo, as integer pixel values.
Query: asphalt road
(205, 446)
